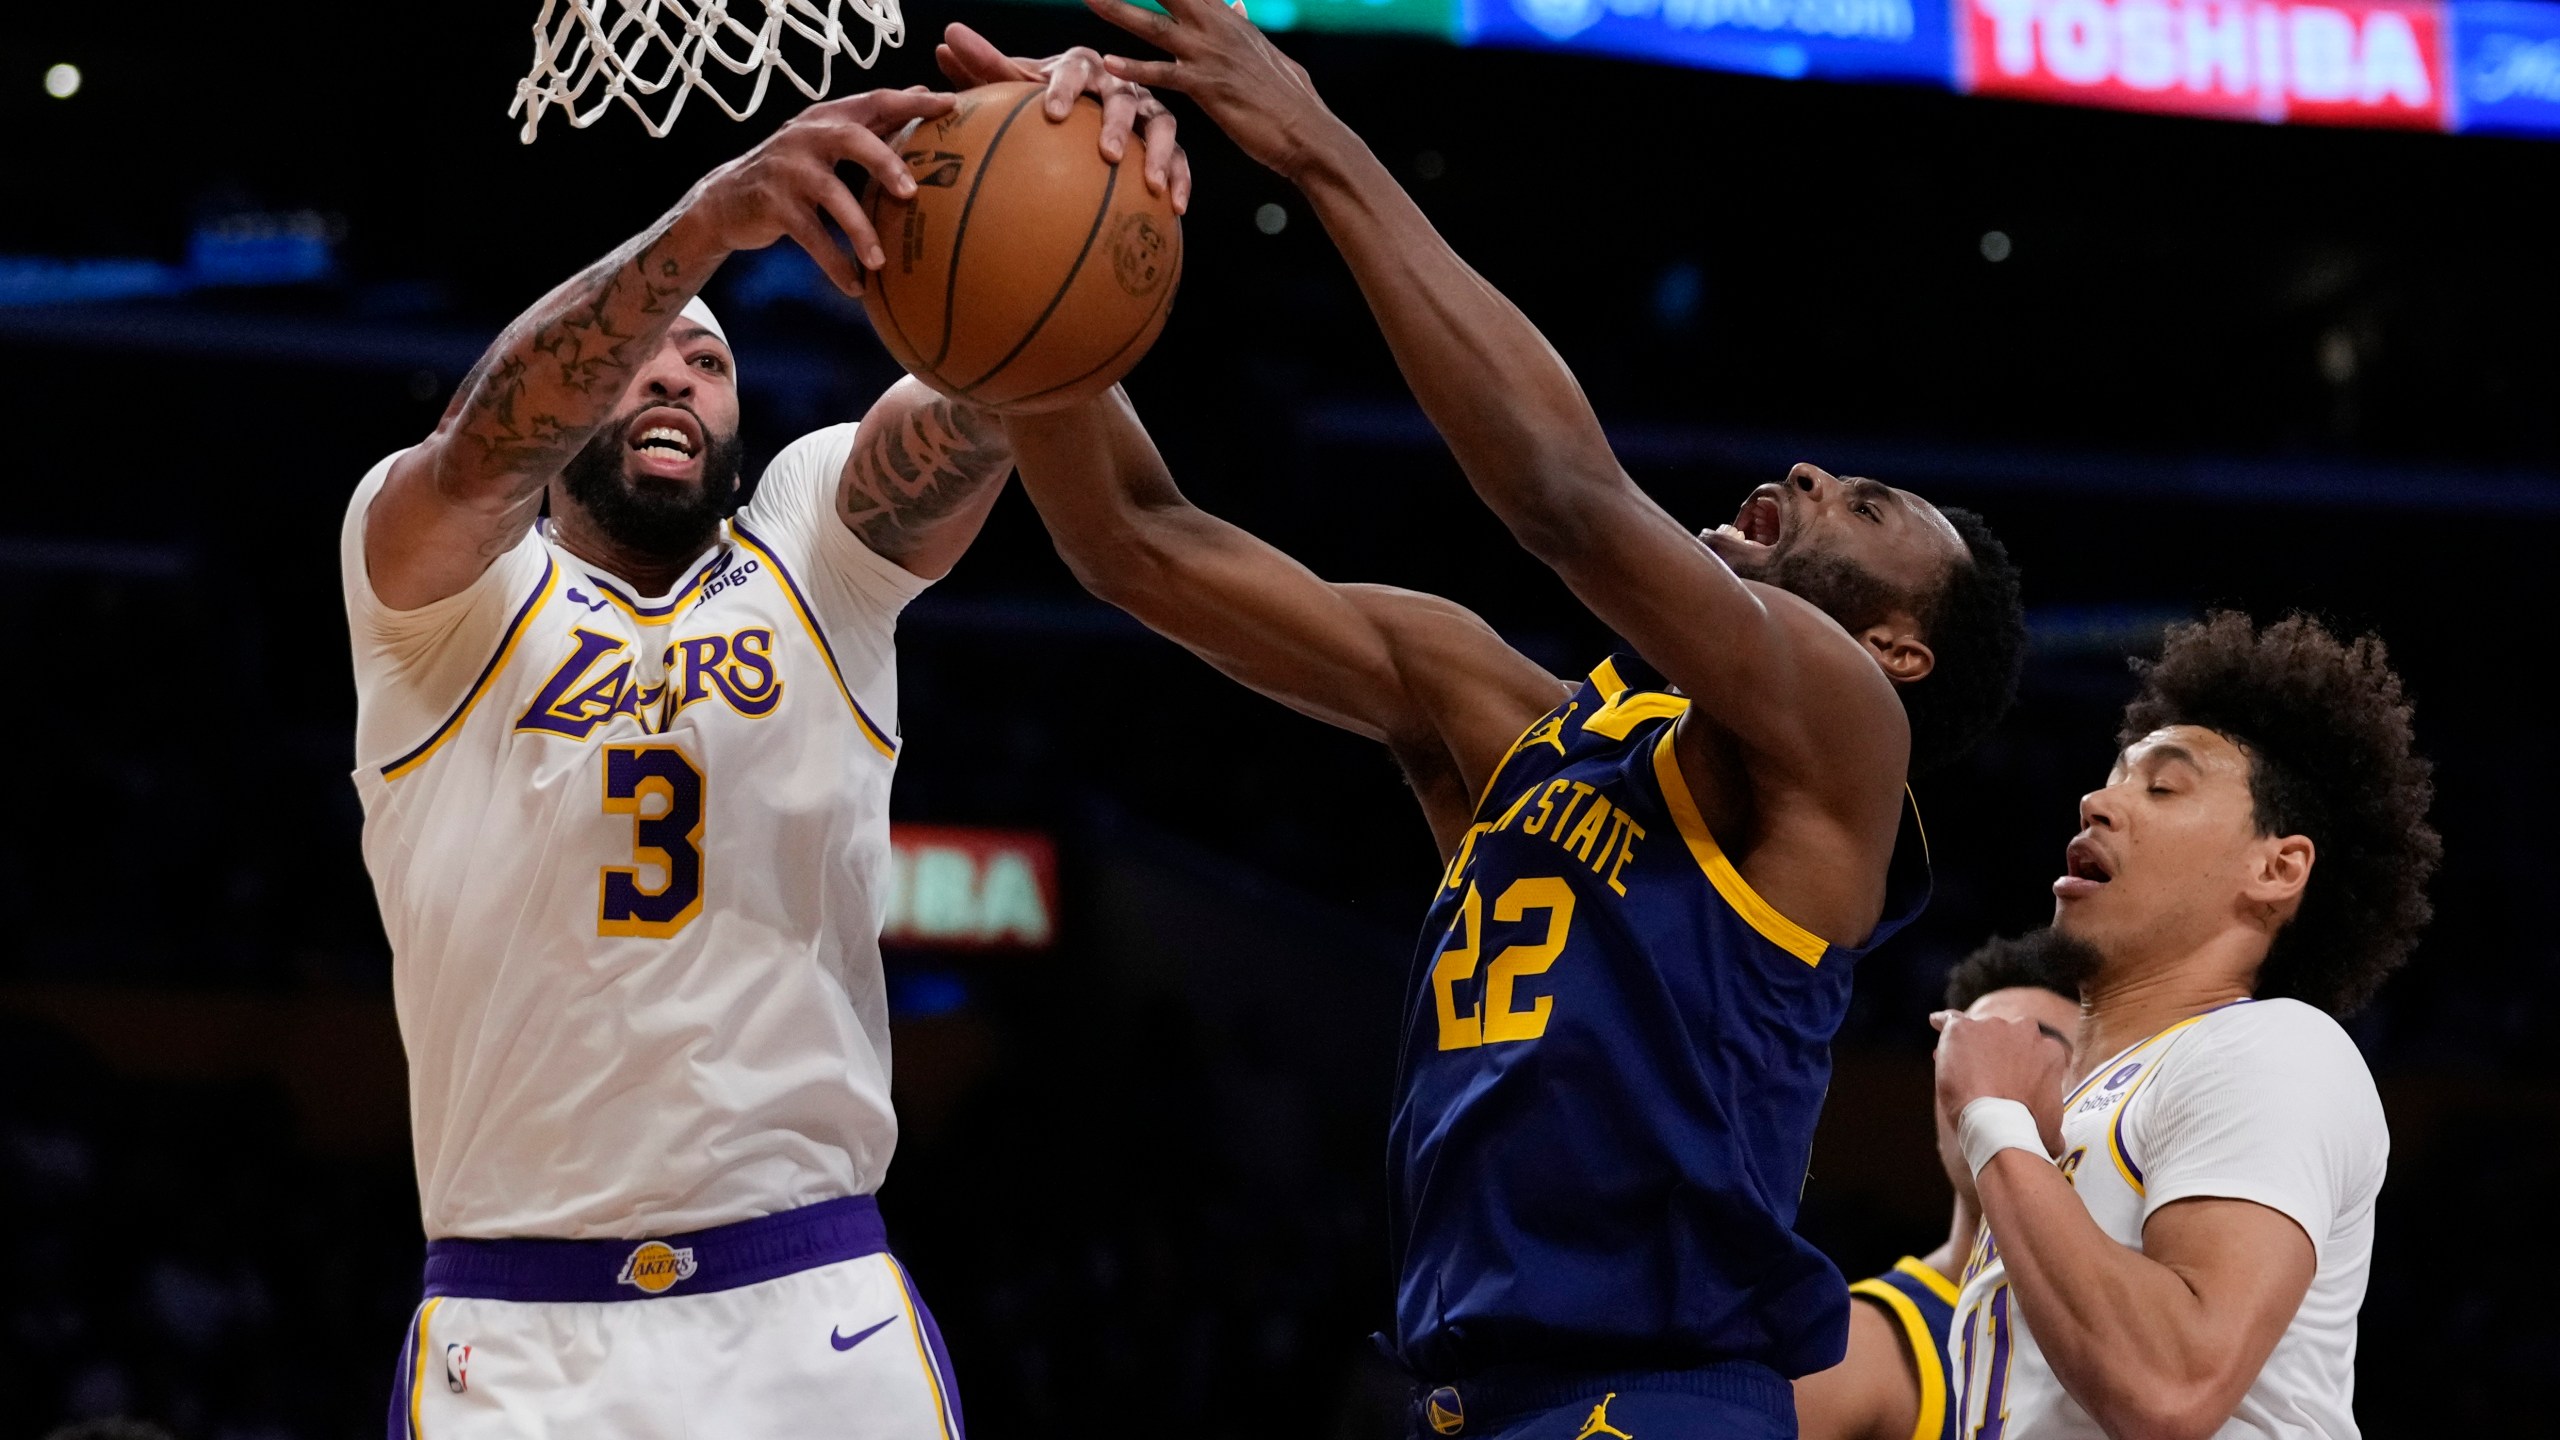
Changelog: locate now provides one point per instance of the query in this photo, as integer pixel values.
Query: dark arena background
(1153, 929)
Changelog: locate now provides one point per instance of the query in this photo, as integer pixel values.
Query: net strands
(636, 50)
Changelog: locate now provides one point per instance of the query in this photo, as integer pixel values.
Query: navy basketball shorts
(1733, 1401)
(789, 1325)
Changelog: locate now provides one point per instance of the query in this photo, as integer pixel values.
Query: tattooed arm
(923, 474)
(456, 502)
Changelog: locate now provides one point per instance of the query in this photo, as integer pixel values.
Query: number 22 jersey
(1614, 1054)
(631, 853)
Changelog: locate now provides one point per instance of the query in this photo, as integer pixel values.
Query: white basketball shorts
(792, 1325)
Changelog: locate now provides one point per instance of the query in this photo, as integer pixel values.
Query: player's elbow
(1554, 524)
(1563, 509)
(1112, 567)
(2163, 1408)
(1133, 565)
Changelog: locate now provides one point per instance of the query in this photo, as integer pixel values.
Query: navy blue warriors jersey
(1614, 1052)
(1922, 1303)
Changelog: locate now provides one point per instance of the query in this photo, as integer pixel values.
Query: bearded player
(625, 762)
(2254, 866)
(1659, 878)
(1893, 1383)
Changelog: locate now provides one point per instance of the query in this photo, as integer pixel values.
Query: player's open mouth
(2084, 870)
(665, 436)
(1762, 520)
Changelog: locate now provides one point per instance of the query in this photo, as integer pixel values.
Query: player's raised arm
(453, 503)
(1775, 674)
(924, 472)
(1419, 673)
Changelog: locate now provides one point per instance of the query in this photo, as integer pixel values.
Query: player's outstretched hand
(969, 58)
(1998, 1057)
(785, 185)
(1259, 96)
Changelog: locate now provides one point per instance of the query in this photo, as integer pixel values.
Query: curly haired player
(2254, 866)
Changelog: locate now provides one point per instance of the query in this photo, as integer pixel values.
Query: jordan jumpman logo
(1599, 1424)
(1550, 731)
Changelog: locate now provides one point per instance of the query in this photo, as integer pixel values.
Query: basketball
(1027, 273)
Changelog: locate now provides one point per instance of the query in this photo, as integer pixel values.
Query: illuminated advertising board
(2331, 63)
(1839, 39)
(2467, 65)
(954, 887)
(2506, 67)
(1438, 18)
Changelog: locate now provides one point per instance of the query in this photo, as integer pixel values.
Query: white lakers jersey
(2266, 1101)
(631, 853)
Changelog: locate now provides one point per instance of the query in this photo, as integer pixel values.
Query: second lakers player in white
(625, 764)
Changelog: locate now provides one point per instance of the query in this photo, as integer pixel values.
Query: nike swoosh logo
(847, 1342)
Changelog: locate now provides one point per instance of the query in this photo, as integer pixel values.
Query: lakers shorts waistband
(723, 1257)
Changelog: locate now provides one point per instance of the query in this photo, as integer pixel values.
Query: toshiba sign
(959, 887)
(2330, 64)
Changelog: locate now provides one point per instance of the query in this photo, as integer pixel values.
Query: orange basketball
(1027, 273)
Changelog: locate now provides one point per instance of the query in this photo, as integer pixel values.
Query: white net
(652, 54)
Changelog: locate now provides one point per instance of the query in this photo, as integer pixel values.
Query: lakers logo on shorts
(1443, 1410)
(656, 1266)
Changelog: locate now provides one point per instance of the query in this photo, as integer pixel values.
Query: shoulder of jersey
(2283, 1021)
(2293, 1043)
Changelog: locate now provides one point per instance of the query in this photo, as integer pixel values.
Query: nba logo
(457, 1367)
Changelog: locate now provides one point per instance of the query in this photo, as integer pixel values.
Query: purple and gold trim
(506, 648)
(408, 1394)
(2114, 1073)
(2125, 1165)
(664, 614)
(930, 1353)
(808, 619)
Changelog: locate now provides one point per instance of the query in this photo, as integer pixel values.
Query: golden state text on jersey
(1613, 1056)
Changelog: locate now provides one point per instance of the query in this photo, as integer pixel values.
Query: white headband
(700, 314)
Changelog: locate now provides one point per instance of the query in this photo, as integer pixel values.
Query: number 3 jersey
(1613, 1057)
(631, 852)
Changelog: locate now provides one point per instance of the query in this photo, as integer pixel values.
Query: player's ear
(1897, 646)
(2280, 871)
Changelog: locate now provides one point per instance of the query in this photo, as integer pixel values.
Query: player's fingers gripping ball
(1027, 272)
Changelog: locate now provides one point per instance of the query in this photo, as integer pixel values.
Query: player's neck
(2120, 1012)
(648, 575)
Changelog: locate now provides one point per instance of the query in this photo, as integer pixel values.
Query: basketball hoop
(634, 50)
